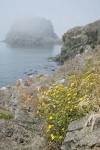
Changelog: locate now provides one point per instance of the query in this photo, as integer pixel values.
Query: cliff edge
(76, 39)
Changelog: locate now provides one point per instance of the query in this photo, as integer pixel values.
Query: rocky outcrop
(76, 39)
(82, 136)
(25, 130)
(32, 32)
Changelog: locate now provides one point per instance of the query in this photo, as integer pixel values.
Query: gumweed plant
(60, 105)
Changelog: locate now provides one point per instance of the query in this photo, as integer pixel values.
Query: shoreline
(35, 74)
(32, 66)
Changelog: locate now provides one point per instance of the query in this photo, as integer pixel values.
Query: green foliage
(6, 116)
(61, 105)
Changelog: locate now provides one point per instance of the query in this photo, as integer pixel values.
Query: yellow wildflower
(60, 137)
(47, 130)
(67, 107)
(91, 83)
(50, 126)
(52, 137)
(88, 76)
(57, 87)
(62, 129)
(53, 95)
(71, 109)
(74, 106)
(75, 94)
(81, 99)
(68, 94)
(68, 102)
(72, 84)
(69, 99)
(49, 91)
(50, 118)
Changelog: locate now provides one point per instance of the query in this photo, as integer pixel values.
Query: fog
(64, 14)
(32, 31)
(32, 26)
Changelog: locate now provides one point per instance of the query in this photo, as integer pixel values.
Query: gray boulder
(82, 136)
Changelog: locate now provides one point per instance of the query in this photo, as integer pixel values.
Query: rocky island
(32, 32)
(61, 111)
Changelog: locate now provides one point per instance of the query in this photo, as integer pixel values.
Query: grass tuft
(6, 116)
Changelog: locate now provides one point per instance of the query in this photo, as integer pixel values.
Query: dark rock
(53, 69)
(75, 40)
(55, 58)
(29, 74)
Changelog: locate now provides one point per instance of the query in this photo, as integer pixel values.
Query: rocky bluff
(77, 39)
(32, 31)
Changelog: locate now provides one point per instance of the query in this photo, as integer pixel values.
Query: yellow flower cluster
(61, 105)
(50, 117)
(52, 136)
(50, 126)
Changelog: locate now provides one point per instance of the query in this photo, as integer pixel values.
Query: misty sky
(64, 14)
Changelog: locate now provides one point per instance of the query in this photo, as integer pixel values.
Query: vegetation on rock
(6, 116)
(60, 105)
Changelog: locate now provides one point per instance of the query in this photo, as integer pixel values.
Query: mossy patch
(6, 115)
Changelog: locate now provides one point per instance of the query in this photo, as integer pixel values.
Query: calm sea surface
(18, 62)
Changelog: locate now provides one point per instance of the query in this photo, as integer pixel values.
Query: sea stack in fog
(32, 31)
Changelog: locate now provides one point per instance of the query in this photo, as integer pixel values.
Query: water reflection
(31, 46)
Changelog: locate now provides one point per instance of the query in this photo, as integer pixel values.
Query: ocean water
(19, 62)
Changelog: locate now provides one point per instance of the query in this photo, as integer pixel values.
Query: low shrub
(61, 105)
(6, 116)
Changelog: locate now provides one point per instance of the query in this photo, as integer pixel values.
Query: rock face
(75, 40)
(24, 131)
(81, 137)
(32, 31)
